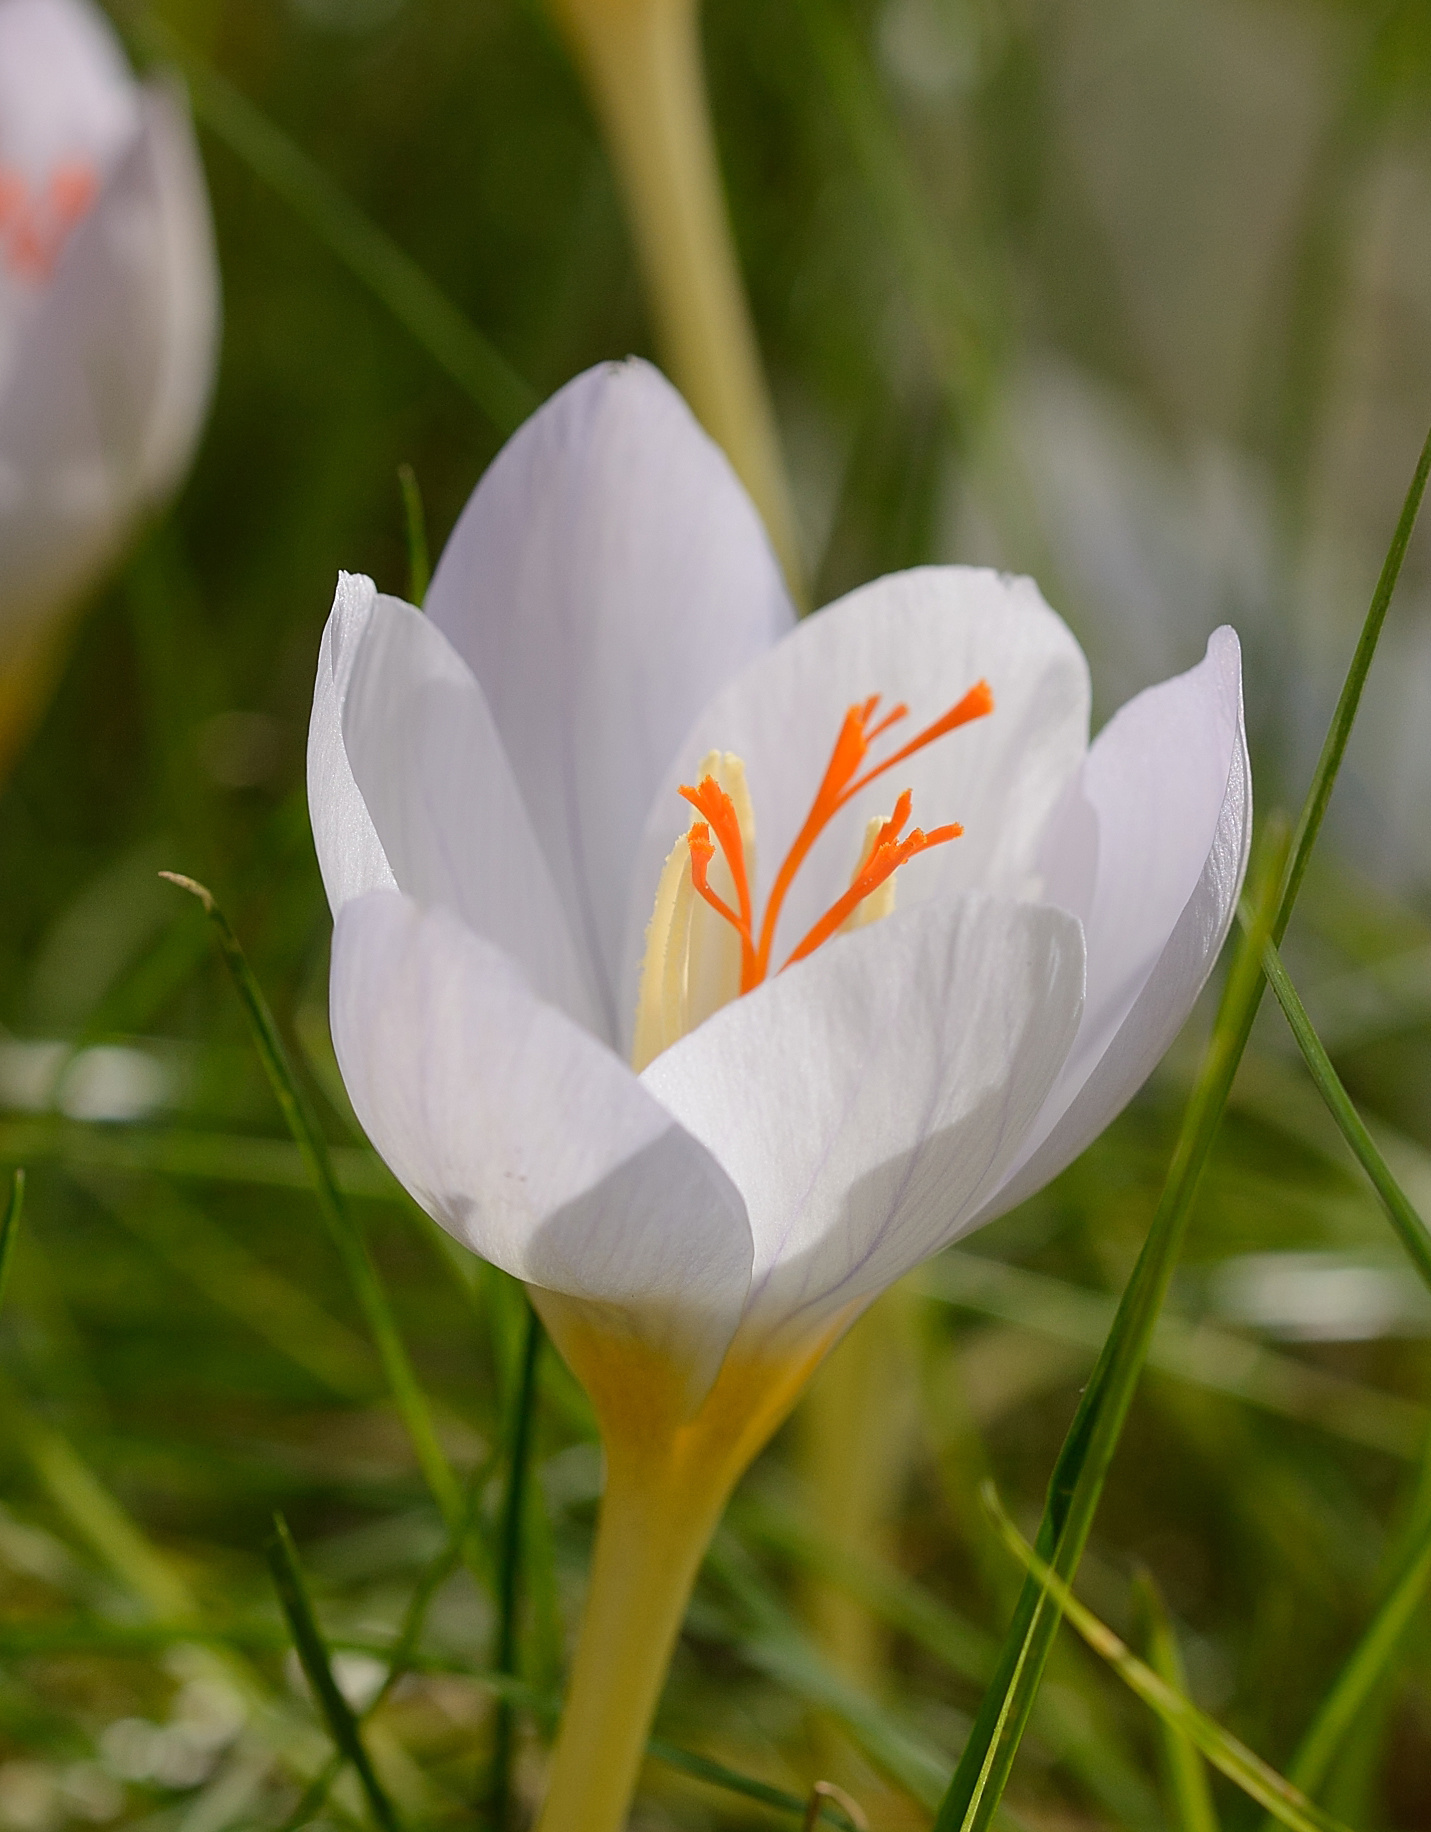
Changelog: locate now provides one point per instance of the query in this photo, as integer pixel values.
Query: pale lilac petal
(527, 1139)
(66, 92)
(350, 854)
(867, 1101)
(1166, 797)
(435, 783)
(608, 575)
(922, 637)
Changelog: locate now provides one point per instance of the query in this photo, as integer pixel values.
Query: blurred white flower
(109, 306)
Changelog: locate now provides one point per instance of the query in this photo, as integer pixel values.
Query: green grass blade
(1077, 1481)
(1314, 809)
(1410, 1228)
(1078, 1474)
(702, 1768)
(509, 1557)
(1286, 1802)
(1367, 1664)
(419, 572)
(391, 274)
(10, 1227)
(312, 1652)
(357, 1262)
(1183, 1765)
(954, 319)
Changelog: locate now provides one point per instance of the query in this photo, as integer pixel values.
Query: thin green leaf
(347, 1238)
(702, 1768)
(1410, 1228)
(368, 253)
(1256, 1778)
(1324, 778)
(419, 572)
(1367, 1664)
(509, 1557)
(1184, 1770)
(312, 1652)
(10, 1227)
(1077, 1481)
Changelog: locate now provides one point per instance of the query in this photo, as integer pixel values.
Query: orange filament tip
(719, 826)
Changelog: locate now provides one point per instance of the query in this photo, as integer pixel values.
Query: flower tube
(109, 312)
(708, 971)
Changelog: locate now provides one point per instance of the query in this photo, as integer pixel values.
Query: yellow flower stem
(669, 1473)
(656, 1523)
(642, 63)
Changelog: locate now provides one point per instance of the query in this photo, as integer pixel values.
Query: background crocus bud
(109, 314)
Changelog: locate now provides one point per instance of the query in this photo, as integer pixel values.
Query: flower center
(693, 965)
(36, 220)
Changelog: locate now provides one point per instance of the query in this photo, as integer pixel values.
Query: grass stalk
(1367, 1664)
(10, 1227)
(312, 1651)
(347, 1237)
(1184, 1769)
(509, 1562)
(1076, 1484)
(1281, 1797)
(367, 251)
(1410, 1228)
(419, 570)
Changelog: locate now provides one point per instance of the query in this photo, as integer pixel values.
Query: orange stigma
(841, 782)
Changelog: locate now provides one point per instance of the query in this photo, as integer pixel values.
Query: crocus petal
(350, 854)
(419, 746)
(528, 1139)
(608, 575)
(923, 637)
(110, 372)
(868, 1100)
(1166, 799)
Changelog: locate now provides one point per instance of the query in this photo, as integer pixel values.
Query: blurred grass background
(1134, 294)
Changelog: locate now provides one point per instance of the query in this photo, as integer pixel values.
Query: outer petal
(608, 575)
(923, 637)
(868, 1100)
(527, 1139)
(111, 371)
(419, 748)
(1165, 804)
(350, 854)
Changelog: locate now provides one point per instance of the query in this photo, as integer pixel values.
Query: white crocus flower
(108, 314)
(706, 1137)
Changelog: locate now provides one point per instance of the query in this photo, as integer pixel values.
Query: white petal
(608, 575)
(110, 372)
(189, 283)
(65, 90)
(527, 1139)
(868, 1100)
(350, 854)
(427, 762)
(922, 637)
(1166, 795)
